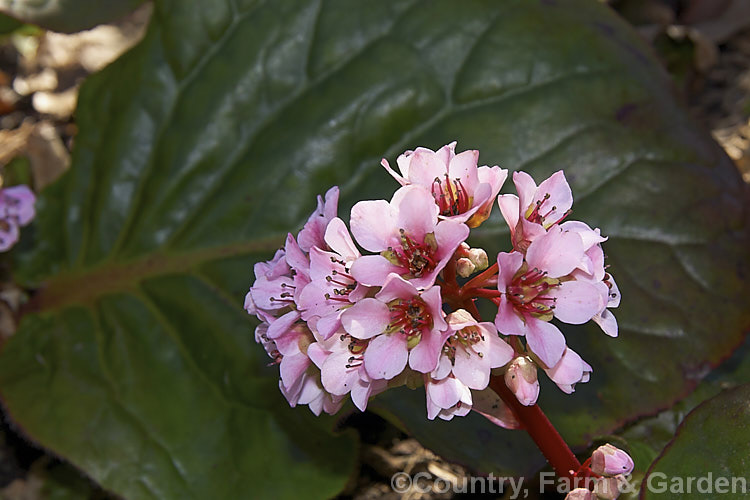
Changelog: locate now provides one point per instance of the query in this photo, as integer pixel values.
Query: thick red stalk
(541, 430)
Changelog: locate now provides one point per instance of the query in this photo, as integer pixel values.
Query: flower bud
(479, 258)
(608, 460)
(580, 494)
(465, 267)
(520, 377)
(609, 488)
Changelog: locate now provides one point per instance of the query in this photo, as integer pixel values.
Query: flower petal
(576, 302)
(558, 252)
(373, 224)
(339, 240)
(386, 356)
(545, 340)
(373, 270)
(425, 355)
(508, 321)
(366, 318)
(508, 264)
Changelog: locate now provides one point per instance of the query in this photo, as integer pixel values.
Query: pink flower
(535, 209)
(406, 232)
(16, 209)
(608, 460)
(312, 235)
(521, 379)
(299, 381)
(592, 269)
(342, 369)
(538, 288)
(470, 351)
(402, 325)
(461, 190)
(446, 398)
(569, 371)
(332, 287)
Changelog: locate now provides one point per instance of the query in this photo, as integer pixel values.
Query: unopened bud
(479, 258)
(609, 460)
(465, 267)
(580, 494)
(609, 488)
(521, 378)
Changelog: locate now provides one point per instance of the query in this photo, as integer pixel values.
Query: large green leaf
(204, 145)
(67, 15)
(709, 454)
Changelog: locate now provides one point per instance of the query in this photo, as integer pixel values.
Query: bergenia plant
(354, 311)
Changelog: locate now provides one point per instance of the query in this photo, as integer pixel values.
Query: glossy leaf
(67, 15)
(711, 447)
(200, 148)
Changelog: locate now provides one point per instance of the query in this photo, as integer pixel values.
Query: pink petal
(373, 225)
(463, 166)
(435, 305)
(292, 368)
(283, 324)
(317, 354)
(339, 240)
(607, 322)
(416, 211)
(366, 318)
(498, 351)
(590, 237)
(444, 393)
(425, 355)
(329, 324)
(508, 321)
(568, 371)
(558, 252)
(508, 264)
(446, 153)
(336, 377)
(24, 203)
(526, 188)
(425, 166)
(494, 176)
(544, 338)
(560, 197)
(387, 167)
(396, 287)
(373, 270)
(509, 209)
(576, 302)
(295, 257)
(386, 355)
(443, 369)
(472, 370)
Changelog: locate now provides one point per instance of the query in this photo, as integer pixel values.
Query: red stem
(541, 430)
(480, 279)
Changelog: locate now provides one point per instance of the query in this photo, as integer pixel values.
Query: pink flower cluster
(390, 299)
(16, 210)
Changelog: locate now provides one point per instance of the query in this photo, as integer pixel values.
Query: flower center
(465, 339)
(539, 211)
(411, 318)
(341, 283)
(528, 292)
(417, 258)
(450, 196)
